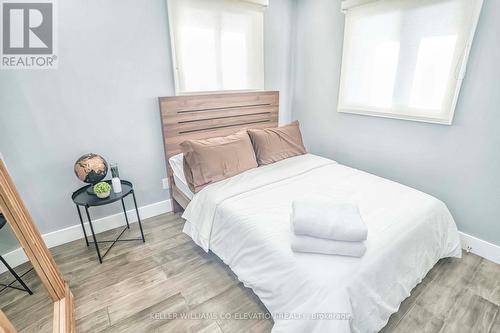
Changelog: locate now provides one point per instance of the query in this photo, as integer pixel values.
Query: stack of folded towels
(321, 225)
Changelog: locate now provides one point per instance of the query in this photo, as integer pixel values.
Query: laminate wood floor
(153, 287)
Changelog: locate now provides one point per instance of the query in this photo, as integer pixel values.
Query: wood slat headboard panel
(205, 116)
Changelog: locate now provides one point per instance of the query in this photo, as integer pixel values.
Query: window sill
(401, 116)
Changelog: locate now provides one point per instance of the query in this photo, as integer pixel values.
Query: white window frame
(175, 68)
(445, 120)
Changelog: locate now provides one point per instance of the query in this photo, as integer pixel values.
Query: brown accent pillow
(275, 144)
(212, 160)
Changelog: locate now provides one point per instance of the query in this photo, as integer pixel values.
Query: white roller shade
(218, 45)
(347, 4)
(406, 58)
(264, 3)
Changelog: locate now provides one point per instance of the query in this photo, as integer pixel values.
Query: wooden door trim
(5, 324)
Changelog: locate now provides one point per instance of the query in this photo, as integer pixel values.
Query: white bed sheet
(245, 221)
(177, 164)
(183, 186)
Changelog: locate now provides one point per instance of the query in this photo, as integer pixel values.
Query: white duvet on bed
(245, 221)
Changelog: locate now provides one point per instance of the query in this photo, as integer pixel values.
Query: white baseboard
(480, 247)
(74, 232)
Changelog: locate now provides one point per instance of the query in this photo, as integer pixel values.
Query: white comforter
(245, 221)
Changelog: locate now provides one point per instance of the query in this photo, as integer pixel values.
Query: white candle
(117, 185)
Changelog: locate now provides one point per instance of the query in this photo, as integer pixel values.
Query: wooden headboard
(206, 116)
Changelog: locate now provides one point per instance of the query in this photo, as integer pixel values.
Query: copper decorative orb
(91, 168)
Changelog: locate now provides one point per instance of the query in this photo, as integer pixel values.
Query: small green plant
(102, 187)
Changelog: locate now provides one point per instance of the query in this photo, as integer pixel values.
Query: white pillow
(177, 164)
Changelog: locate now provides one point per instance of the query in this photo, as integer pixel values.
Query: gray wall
(458, 164)
(114, 61)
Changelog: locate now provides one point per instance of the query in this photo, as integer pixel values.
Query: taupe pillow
(275, 144)
(212, 160)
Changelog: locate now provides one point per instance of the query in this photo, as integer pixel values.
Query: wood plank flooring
(171, 285)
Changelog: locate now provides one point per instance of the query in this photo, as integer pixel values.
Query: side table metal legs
(138, 217)
(117, 239)
(125, 212)
(83, 226)
(17, 277)
(93, 235)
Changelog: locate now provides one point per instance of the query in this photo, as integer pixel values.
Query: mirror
(18, 218)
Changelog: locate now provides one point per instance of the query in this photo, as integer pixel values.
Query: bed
(245, 221)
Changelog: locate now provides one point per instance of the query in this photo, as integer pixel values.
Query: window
(406, 58)
(217, 45)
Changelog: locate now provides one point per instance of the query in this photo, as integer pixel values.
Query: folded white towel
(327, 246)
(324, 218)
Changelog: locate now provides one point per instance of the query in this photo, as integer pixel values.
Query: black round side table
(82, 198)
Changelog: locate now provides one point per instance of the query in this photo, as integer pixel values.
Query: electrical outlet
(468, 248)
(164, 183)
